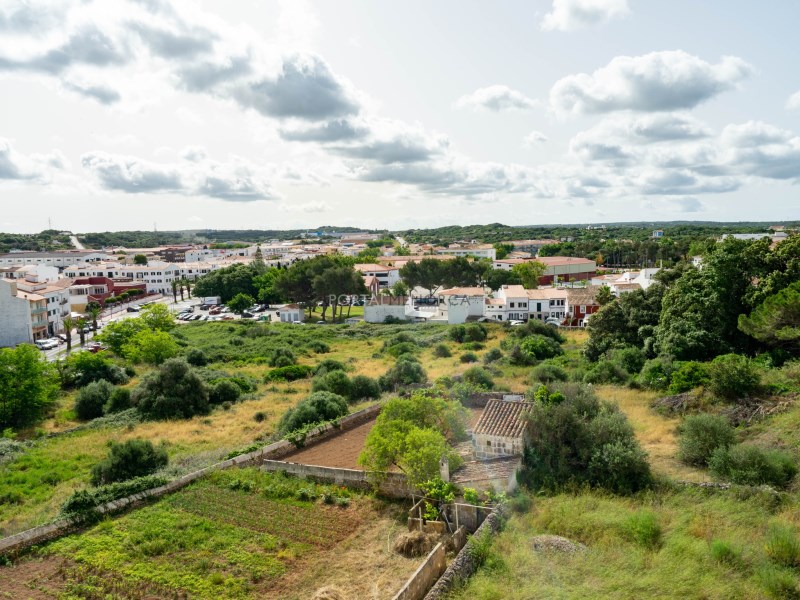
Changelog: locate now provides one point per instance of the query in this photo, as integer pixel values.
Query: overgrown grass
(673, 543)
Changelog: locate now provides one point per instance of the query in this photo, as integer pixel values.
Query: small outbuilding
(499, 432)
(291, 313)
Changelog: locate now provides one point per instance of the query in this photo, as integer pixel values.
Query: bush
(468, 357)
(260, 417)
(631, 359)
(119, 400)
(479, 377)
(329, 364)
(548, 373)
(317, 408)
(83, 501)
(83, 368)
(130, 459)
(336, 382)
(457, 333)
(196, 358)
(746, 464)
(725, 553)
(732, 376)
(289, 373)
(536, 327)
(472, 346)
(475, 332)
(364, 387)
(318, 346)
(606, 371)
(700, 435)
(572, 438)
(492, 355)
(173, 390)
(91, 400)
(224, 391)
(643, 528)
(402, 348)
(540, 347)
(688, 376)
(657, 373)
(406, 371)
(442, 351)
(282, 357)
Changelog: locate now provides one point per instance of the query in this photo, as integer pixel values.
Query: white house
(386, 276)
(56, 295)
(510, 303)
(15, 316)
(291, 313)
(547, 304)
(470, 297)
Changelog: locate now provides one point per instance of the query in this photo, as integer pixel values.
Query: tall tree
(93, 310)
(69, 323)
(81, 324)
(776, 321)
(28, 385)
(140, 259)
(529, 273)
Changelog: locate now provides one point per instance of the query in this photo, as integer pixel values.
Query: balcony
(38, 311)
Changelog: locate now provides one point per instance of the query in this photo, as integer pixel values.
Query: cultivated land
(244, 533)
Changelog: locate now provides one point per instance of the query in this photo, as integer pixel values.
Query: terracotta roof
(515, 291)
(583, 295)
(463, 291)
(546, 293)
(502, 418)
(557, 261)
(364, 267)
(289, 307)
(627, 286)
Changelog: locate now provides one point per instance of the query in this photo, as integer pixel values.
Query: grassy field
(236, 534)
(685, 543)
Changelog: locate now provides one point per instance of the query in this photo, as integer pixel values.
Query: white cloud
(35, 167)
(793, 103)
(659, 81)
(496, 98)
(569, 15)
(534, 138)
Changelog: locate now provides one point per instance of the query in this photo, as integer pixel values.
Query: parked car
(247, 315)
(95, 347)
(215, 311)
(133, 309)
(62, 337)
(45, 344)
(515, 323)
(322, 322)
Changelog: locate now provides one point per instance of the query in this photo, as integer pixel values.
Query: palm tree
(69, 323)
(80, 324)
(181, 283)
(93, 310)
(175, 291)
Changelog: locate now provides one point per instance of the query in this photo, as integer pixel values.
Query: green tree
(28, 386)
(119, 333)
(604, 295)
(400, 288)
(173, 390)
(267, 290)
(316, 408)
(240, 303)
(69, 323)
(140, 259)
(503, 250)
(776, 321)
(157, 317)
(529, 273)
(428, 273)
(151, 347)
(227, 282)
(80, 323)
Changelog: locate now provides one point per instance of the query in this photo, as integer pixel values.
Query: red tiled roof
(502, 418)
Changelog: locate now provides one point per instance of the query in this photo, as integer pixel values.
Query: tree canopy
(28, 386)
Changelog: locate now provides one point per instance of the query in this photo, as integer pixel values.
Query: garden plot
(236, 534)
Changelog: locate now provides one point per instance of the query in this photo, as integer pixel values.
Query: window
(488, 442)
(511, 305)
(583, 308)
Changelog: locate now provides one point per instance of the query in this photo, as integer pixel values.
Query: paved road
(76, 243)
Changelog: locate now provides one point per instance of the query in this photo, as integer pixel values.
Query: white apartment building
(198, 254)
(474, 250)
(473, 298)
(59, 259)
(386, 276)
(510, 303)
(57, 298)
(547, 304)
(15, 316)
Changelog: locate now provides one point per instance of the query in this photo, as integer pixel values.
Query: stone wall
(464, 565)
(44, 533)
(377, 313)
(393, 486)
(425, 576)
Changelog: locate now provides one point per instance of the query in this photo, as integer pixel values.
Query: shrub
(688, 376)
(732, 376)
(573, 439)
(457, 333)
(406, 371)
(85, 367)
(318, 346)
(492, 355)
(364, 387)
(224, 391)
(468, 357)
(746, 464)
(540, 347)
(336, 382)
(657, 373)
(289, 373)
(630, 358)
(83, 501)
(725, 553)
(329, 364)
(479, 377)
(606, 371)
(475, 332)
(700, 435)
(548, 373)
(402, 348)
(196, 358)
(472, 346)
(92, 399)
(282, 357)
(442, 351)
(783, 546)
(119, 400)
(536, 327)
(173, 390)
(127, 460)
(643, 528)
(260, 417)
(317, 408)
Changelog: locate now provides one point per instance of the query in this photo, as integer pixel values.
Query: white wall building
(386, 276)
(510, 303)
(473, 298)
(547, 304)
(60, 260)
(291, 313)
(15, 316)
(474, 250)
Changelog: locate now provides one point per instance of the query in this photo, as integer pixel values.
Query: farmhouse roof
(463, 291)
(560, 261)
(502, 418)
(583, 296)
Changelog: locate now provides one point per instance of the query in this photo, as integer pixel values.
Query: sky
(245, 114)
